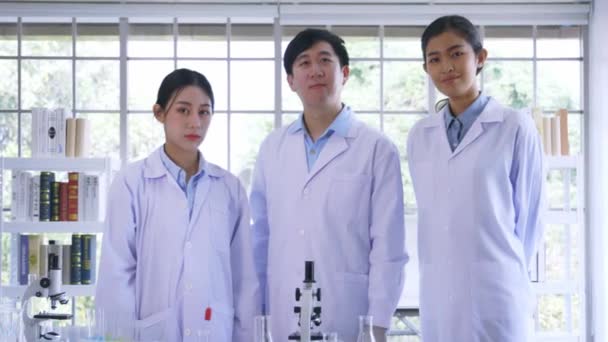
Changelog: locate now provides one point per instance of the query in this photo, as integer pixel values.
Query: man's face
(317, 76)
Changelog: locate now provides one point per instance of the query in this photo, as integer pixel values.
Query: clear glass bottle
(261, 329)
(365, 329)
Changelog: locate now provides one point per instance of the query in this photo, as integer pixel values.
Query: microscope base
(313, 337)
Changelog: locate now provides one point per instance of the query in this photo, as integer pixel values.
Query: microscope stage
(60, 316)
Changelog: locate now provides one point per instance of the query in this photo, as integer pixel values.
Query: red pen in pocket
(208, 314)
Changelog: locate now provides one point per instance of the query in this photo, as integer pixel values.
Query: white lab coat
(346, 215)
(164, 269)
(478, 225)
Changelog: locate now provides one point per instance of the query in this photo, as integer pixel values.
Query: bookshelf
(73, 290)
(104, 167)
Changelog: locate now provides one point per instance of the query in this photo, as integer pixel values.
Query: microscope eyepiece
(309, 271)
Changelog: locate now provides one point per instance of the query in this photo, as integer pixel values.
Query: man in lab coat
(328, 188)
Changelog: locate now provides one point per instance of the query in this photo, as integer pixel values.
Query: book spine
(14, 258)
(26, 184)
(15, 177)
(63, 201)
(60, 114)
(76, 260)
(70, 139)
(93, 258)
(55, 201)
(66, 264)
(91, 200)
(95, 198)
(556, 145)
(563, 124)
(24, 259)
(34, 254)
(547, 135)
(82, 189)
(82, 137)
(52, 132)
(44, 261)
(44, 132)
(85, 274)
(73, 196)
(46, 178)
(35, 199)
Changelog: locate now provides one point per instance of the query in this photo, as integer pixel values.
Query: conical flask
(365, 329)
(261, 329)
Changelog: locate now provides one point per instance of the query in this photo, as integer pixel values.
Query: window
(76, 63)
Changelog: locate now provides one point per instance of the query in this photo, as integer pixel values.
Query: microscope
(45, 287)
(309, 310)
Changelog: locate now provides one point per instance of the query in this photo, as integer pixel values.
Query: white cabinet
(560, 289)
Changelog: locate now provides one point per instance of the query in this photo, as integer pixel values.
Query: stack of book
(42, 197)
(54, 135)
(77, 260)
(553, 130)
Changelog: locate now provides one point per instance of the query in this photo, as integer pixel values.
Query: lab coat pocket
(501, 300)
(221, 230)
(153, 327)
(352, 298)
(349, 197)
(222, 320)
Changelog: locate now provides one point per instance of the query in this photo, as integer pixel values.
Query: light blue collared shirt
(180, 177)
(340, 126)
(458, 126)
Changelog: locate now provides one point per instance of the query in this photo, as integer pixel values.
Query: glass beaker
(10, 319)
(365, 329)
(261, 329)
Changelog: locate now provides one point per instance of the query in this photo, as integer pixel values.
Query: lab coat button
(187, 332)
(306, 191)
(188, 244)
(189, 286)
(301, 231)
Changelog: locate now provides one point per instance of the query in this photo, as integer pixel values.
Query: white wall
(597, 173)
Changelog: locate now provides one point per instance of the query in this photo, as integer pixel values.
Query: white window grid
(567, 288)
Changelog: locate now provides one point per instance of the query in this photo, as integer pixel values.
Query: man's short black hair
(307, 38)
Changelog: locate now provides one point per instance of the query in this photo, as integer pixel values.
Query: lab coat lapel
(211, 172)
(474, 132)
(202, 193)
(336, 145)
(436, 127)
(296, 156)
(493, 112)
